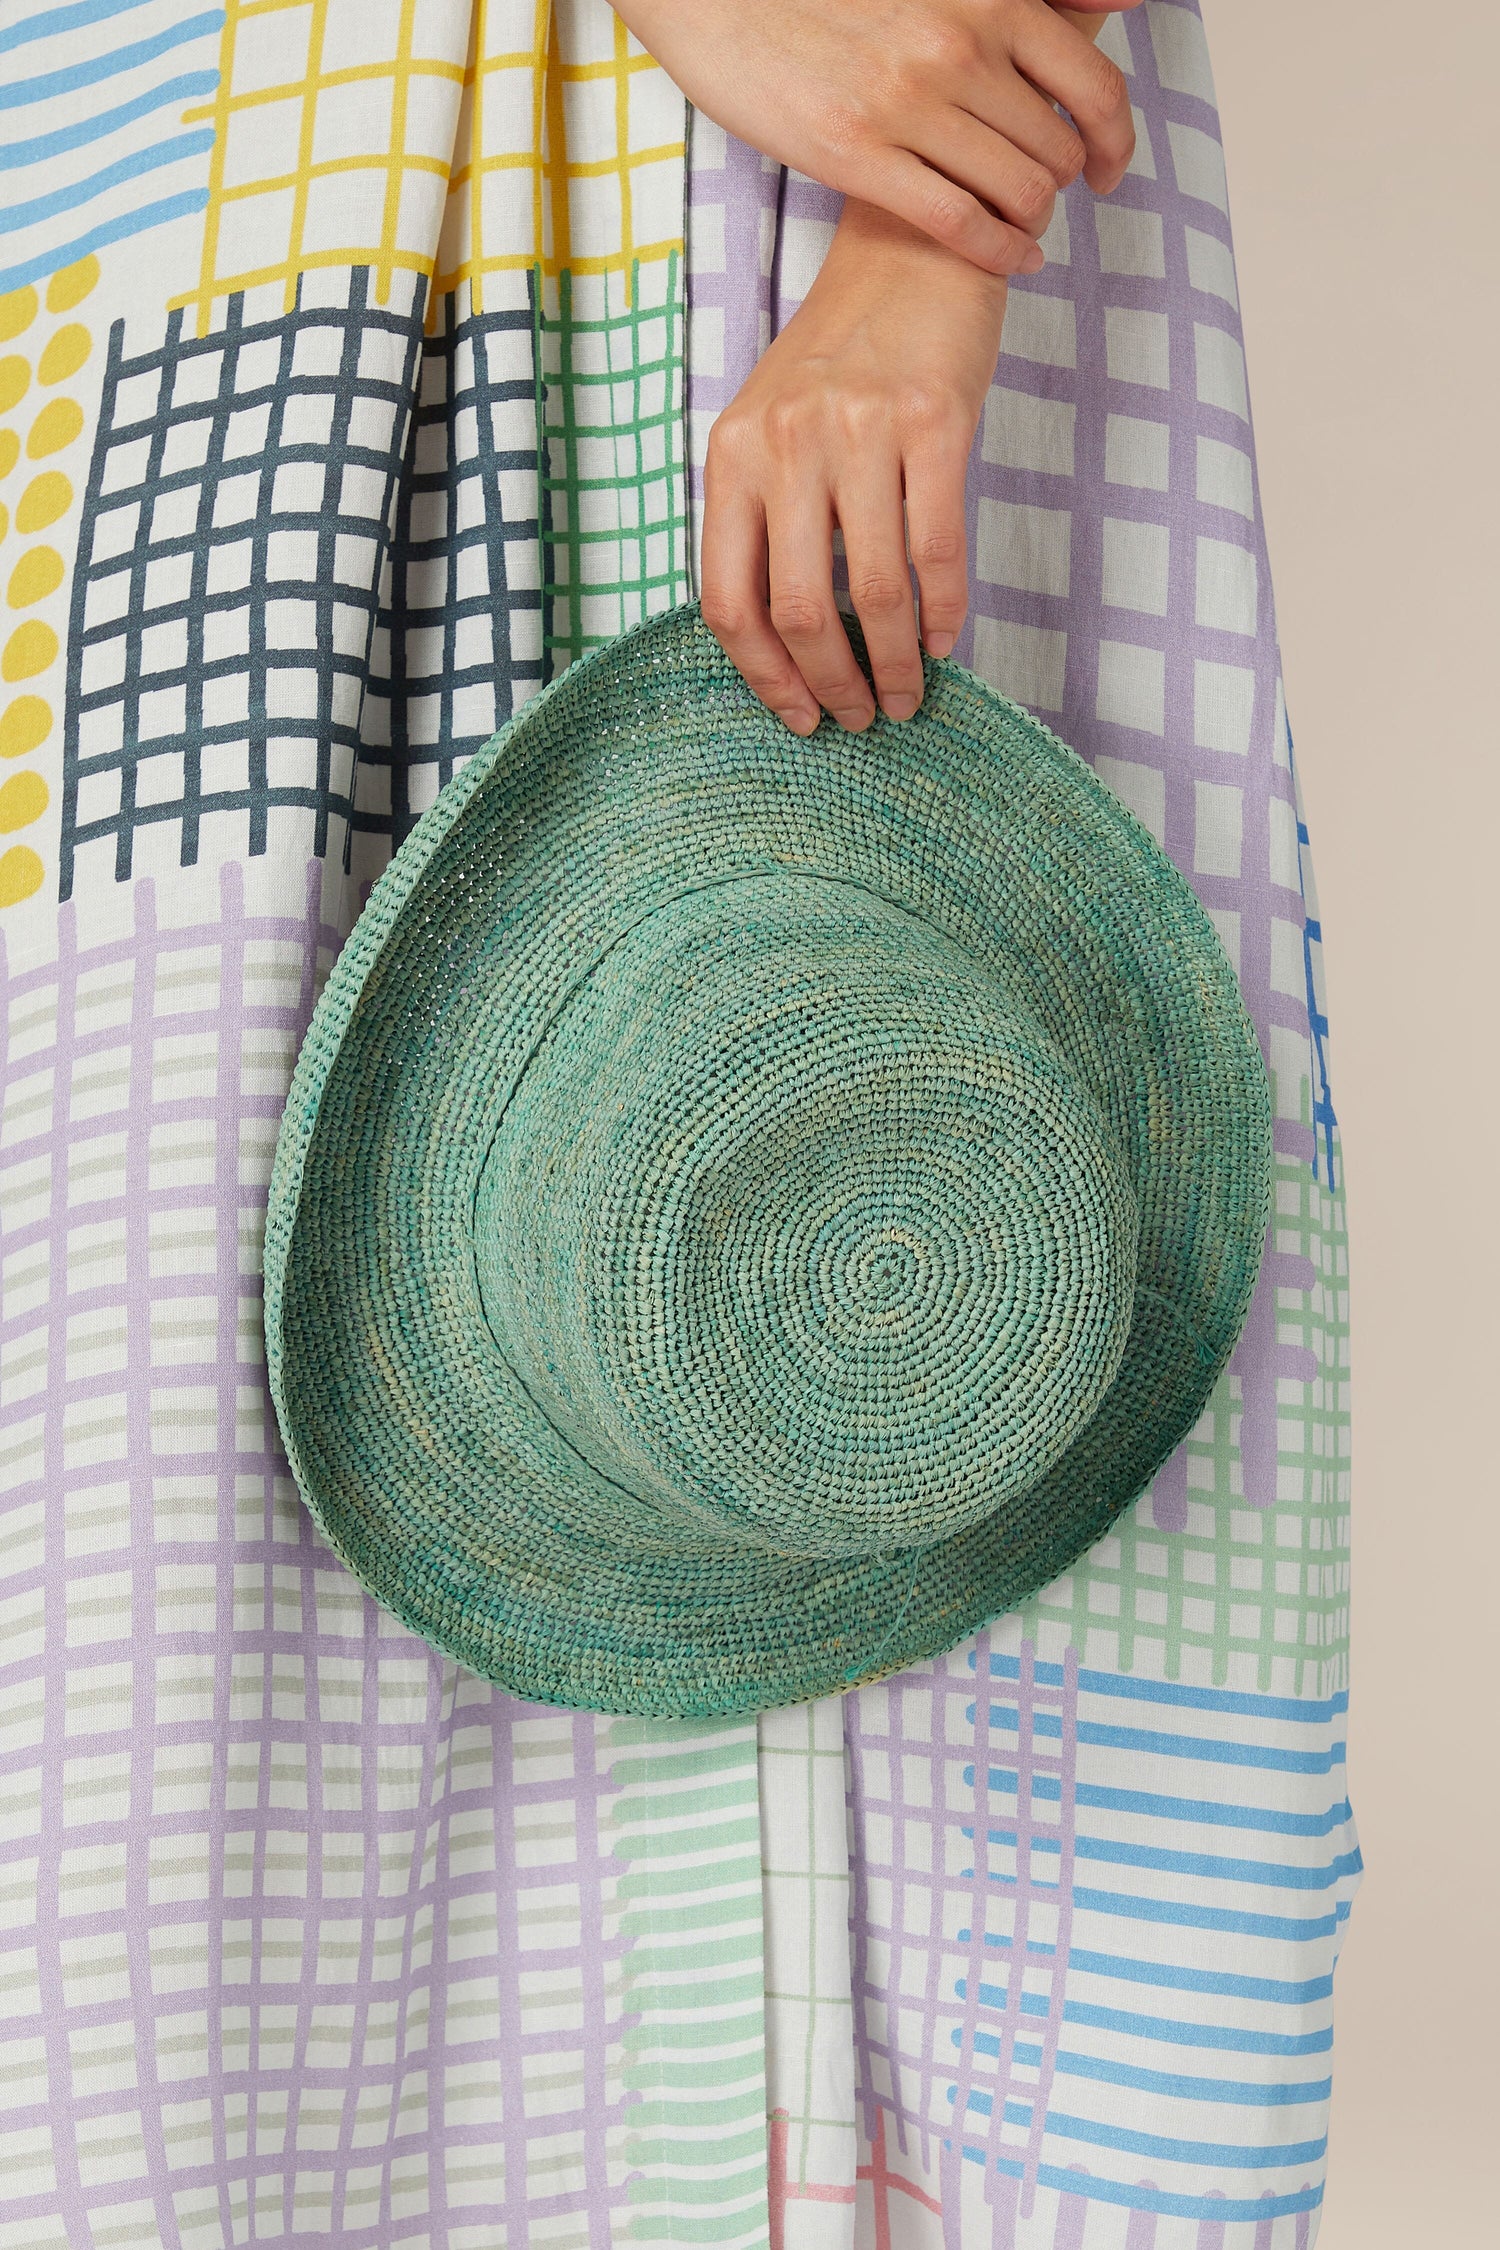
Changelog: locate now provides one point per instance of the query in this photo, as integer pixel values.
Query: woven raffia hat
(749, 1211)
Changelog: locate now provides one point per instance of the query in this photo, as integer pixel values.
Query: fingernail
(800, 722)
(1033, 261)
(854, 721)
(899, 707)
(939, 644)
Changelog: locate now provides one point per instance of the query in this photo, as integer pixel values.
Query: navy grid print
(459, 640)
(229, 558)
(281, 568)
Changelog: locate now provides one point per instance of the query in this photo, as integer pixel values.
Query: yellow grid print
(573, 140)
(405, 135)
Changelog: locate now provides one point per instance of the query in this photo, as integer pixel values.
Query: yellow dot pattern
(56, 426)
(32, 574)
(70, 286)
(31, 649)
(45, 499)
(21, 873)
(24, 726)
(65, 354)
(15, 381)
(38, 574)
(17, 312)
(23, 799)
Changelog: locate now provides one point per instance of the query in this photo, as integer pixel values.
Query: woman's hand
(860, 415)
(937, 111)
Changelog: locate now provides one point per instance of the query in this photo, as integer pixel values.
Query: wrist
(874, 252)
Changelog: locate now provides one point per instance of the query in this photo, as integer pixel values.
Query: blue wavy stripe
(1175, 2087)
(1229, 2039)
(16, 154)
(1170, 1977)
(53, 20)
(1264, 1755)
(1253, 2156)
(1244, 2093)
(1222, 2210)
(17, 215)
(1233, 1700)
(1178, 1915)
(1037, 1946)
(1225, 2038)
(1268, 1756)
(1270, 1874)
(1047, 1789)
(23, 91)
(1204, 1810)
(1294, 1992)
(108, 230)
(1174, 1691)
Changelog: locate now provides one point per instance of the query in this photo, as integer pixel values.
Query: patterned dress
(356, 357)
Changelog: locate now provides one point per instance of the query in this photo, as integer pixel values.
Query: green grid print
(809, 2005)
(1252, 1599)
(613, 470)
(684, 1827)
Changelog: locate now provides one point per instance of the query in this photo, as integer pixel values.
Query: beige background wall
(1366, 189)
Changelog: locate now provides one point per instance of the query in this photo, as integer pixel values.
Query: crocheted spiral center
(796, 1226)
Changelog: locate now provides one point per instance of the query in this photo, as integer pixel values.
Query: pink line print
(783, 2189)
(882, 2179)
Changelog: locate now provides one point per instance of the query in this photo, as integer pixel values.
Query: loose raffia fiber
(749, 1211)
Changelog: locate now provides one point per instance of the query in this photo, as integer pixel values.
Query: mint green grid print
(809, 2009)
(1240, 1596)
(684, 1827)
(613, 471)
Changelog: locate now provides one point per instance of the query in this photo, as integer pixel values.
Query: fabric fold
(1101, 1855)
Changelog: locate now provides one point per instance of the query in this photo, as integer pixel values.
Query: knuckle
(879, 593)
(1032, 199)
(725, 618)
(861, 416)
(946, 48)
(1013, 249)
(841, 692)
(939, 547)
(951, 216)
(798, 614)
(847, 128)
(728, 442)
(930, 413)
(1104, 93)
(946, 610)
(786, 423)
(773, 684)
(1068, 160)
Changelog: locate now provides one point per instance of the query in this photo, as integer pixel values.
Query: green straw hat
(749, 1210)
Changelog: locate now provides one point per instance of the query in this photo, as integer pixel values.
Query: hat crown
(796, 1227)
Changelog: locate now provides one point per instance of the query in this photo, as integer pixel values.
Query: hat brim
(645, 771)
